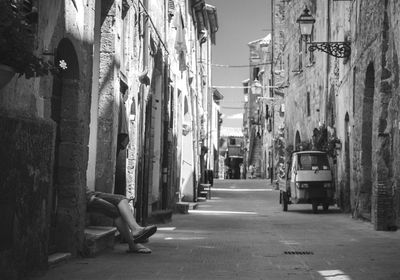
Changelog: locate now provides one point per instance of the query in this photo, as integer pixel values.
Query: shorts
(105, 203)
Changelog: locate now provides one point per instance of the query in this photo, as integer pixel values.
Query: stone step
(203, 194)
(205, 190)
(184, 207)
(58, 258)
(97, 239)
(160, 217)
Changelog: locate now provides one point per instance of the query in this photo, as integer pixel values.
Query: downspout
(272, 91)
(328, 66)
(165, 122)
(194, 140)
(209, 107)
(142, 188)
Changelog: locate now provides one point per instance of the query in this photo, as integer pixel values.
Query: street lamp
(306, 24)
(256, 87)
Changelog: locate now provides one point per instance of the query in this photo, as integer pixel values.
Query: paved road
(241, 233)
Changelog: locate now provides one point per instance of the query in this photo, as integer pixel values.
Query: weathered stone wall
(303, 75)
(341, 73)
(357, 98)
(394, 105)
(109, 97)
(65, 32)
(72, 41)
(132, 100)
(26, 150)
(373, 122)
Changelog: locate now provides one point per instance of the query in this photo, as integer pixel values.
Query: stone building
(135, 93)
(264, 111)
(231, 149)
(353, 99)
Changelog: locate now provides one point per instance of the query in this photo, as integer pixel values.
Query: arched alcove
(68, 152)
(297, 140)
(366, 143)
(345, 192)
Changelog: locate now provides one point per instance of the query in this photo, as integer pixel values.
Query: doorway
(297, 141)
(365, 193)
(66, 168)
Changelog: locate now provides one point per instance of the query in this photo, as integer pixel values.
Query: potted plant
(17, 35)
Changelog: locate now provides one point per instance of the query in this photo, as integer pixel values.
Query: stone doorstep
(204, 194)
(57, 258)
(98, 238)
(98, 231)
(184, 207)
(160, 217)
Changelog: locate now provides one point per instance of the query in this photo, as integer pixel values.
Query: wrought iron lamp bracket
(336, 49)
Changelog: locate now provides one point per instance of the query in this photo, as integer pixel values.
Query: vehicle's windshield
(313, 162)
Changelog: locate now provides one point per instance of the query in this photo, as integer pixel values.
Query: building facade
(231, 148)
(349, 102)
(131, 93)
(264, 111)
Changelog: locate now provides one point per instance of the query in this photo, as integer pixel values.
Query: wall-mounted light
(143, 78)
(306, 24)
(256, 87)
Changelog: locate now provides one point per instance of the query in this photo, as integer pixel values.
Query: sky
(240, 22)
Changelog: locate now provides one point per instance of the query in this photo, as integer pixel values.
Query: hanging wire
(154, 27)
(240, 66)
(228, 107)
(243, 87)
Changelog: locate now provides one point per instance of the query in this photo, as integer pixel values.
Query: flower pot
(6, 74)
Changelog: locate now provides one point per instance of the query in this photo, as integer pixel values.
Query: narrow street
(242, 233)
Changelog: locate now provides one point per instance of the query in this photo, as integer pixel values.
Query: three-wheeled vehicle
(309, 180)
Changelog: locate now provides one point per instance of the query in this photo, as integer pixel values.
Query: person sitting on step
(117, 207)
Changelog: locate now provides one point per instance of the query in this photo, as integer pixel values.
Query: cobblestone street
(242, 233)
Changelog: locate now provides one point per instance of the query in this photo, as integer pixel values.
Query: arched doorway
(297, 141)
(68, 153)
(122, 143)
(365, 193)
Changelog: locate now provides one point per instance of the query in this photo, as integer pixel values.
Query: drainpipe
(209, 108)
(142, 188)
(272, 91)
(328, 66)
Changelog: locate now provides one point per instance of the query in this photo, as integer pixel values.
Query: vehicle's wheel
(285, 201)
(325, 206)
(315, 207)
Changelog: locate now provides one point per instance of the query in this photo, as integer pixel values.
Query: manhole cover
(299, 253)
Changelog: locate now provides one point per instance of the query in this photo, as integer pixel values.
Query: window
(308, 104)
(313, 162)
(232, 141)
(256, 70)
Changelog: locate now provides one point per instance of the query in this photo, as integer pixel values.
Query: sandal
(139, 250)
(144, 234)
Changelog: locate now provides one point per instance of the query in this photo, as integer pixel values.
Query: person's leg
(124, 211)
(127, 215)
(126, 234)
